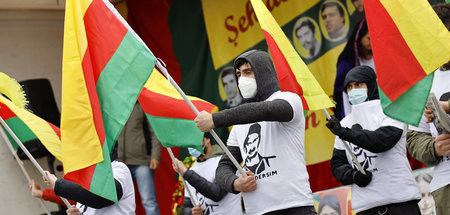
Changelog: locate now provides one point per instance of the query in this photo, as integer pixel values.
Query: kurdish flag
(409, 42)
(293, 74)
(105, 66)
(170, 116)
(29, 127)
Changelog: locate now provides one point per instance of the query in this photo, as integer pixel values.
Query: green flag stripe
(22, 131)
(120, 82)
(103, 178)
(409, 107)
(173, 132)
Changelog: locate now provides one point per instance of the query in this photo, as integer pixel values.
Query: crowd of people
(268, 139)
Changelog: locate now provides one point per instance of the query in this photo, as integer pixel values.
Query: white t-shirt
(392, 180)
(277, 151)
(440, 88)
(230, 204)
(127, 204)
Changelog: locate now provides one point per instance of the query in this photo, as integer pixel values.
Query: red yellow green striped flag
(29, 127)
(409, 42)
(105, 66)
(169, 115)
(293, 74)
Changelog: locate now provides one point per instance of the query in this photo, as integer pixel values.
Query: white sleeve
(296, 103)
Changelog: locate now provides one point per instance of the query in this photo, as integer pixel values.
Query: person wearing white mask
(379, 144)
(268, 136)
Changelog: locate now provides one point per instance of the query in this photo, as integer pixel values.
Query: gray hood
(265, 74)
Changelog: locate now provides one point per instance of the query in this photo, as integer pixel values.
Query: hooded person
(268, 136)
(357, 52)
(379, 144)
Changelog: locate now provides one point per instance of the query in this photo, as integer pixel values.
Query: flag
(105, 66)
(170, 116)
(409, 42)
(29, 127)
(293, 74)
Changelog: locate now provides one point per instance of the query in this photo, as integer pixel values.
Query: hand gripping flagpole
(25, 150)
(5, 138)
(347, 147)
(221, 144)
(182, 178)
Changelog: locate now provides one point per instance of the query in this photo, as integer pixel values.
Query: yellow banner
(233, 29)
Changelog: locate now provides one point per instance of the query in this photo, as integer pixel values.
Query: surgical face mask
(247, 86)
(357, 96)
(194, 152)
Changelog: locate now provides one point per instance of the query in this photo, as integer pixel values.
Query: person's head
(359, 5)
(426, 204)
(360, 84)
(229, 83)
(252, 140)
(443, 12)
(333, 17)
(363, 39)
(306, 32)
(329, 205)
(257, 78)
(206, 146)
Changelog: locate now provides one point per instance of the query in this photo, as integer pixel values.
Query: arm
(276, 110)
(49, 195)
(341, 169)
(380, 140)
(225, 172)
(77, 193)
(187, 206)
(421, 146)
(209, 189)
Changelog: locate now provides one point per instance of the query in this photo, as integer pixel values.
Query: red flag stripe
(56, 129)
(284, 72)
(408, 70)
(5, 112)
(147, 98)
(83, 177)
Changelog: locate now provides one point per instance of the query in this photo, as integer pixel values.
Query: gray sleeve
(226, 171)
(276, 110)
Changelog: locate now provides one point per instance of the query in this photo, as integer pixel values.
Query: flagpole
(8, 143)
(347, 147)
(25, 150)
(174, 161)
(213, 133)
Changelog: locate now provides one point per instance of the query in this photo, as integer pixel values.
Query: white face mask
(247, 86)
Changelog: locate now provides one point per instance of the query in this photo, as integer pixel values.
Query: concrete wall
(30, 47)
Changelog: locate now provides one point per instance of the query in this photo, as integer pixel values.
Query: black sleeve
(341, 169)
(75, 192)
(226, 171)
(187, 206)
(208, 189)
(276, 110)
(380, 140)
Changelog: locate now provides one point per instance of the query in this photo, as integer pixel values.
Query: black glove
(334, 125)
(361, 179)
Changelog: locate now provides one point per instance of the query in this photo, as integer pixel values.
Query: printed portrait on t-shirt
(364, 157)
(254, 161)
(206, 207)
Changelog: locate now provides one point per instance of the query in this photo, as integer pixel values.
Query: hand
(154, 164)
(442, 145)
(204, 121)
(361, 179)
(35, 189)
(334, 125)
(197, 210)
(180, 168)
(245, 183)
(429, 114)
(73, 211)
(52, 179)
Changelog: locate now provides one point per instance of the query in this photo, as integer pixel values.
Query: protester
(211, 198)
(357, 51)
(47, 194)
(378, 142)
(424, 143)
(269, 137)
(140, 150)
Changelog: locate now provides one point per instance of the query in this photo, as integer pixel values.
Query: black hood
(363, 74)
(265, 74)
